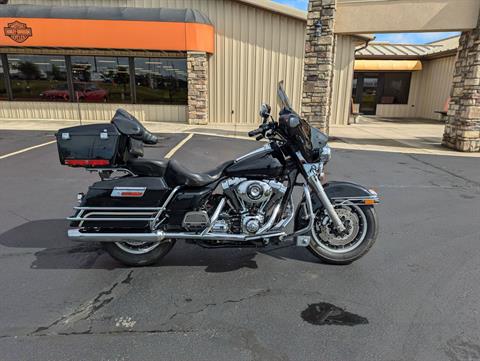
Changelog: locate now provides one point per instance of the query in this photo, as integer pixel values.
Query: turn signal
(369, 202)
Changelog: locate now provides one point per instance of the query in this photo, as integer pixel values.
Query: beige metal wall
(437, 78)
(342, 79)
(255, 49)
(90, 112)
(380, 16)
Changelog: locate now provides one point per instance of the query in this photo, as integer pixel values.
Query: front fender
(337, 192)
(342, 191)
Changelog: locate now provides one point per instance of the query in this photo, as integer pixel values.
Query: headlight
(326, 154)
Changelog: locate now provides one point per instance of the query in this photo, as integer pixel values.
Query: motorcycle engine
(252, 199)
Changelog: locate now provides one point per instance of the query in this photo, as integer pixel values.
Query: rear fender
(337, 192)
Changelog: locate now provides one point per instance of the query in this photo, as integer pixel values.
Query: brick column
(318, 67)
(197, 68)
(462, 128)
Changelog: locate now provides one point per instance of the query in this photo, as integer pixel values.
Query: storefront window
(161, 80)
(396, 88)
(38, 77)
(101, 79)
(3, 90)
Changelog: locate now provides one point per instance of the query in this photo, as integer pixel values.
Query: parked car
(88, 92)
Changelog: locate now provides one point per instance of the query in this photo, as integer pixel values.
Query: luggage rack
(108, 212)
(106, 173)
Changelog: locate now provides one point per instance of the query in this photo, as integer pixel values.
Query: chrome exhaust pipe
(76, 235)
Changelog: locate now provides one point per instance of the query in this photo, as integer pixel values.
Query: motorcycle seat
(177, 174)
(147, 167)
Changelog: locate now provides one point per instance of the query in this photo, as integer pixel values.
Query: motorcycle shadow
(58, 252)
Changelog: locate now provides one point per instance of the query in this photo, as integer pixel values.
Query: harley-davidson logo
(18, 31)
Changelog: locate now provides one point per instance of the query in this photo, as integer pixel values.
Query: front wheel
(335, 247)
(138, 254)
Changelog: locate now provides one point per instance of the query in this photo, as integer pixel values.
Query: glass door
(368, 97)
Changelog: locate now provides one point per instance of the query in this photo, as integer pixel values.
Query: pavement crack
(89, 331)
(207, 305)
(84, 311)
(262, 293)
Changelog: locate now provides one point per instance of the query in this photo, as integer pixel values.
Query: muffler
(76, 235)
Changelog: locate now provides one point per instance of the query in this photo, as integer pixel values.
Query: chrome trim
(355, 200)
(265, 148)
(117, 192)
(86, 219)
(269, 223)
(154, 223)
(215, 216)
(75, 235)
(118, 208)
(311, 216)
(312, 173)
(157, 236)
(113, 170)
(286, 221)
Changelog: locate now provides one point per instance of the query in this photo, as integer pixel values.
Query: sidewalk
(418, 136)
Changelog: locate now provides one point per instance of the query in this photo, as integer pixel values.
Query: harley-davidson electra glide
(141, 207)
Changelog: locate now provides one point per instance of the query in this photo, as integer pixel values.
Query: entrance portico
(347, 17)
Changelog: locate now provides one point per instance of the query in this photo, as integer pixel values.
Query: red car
(87, 92)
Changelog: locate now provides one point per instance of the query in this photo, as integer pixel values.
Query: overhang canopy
(388, 65)
(106, 28)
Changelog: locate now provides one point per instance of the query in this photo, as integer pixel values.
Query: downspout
(366, 45)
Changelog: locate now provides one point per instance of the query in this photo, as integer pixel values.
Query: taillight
(87, 162)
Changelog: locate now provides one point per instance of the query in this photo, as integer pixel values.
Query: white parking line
(26, 149)
(178, 146)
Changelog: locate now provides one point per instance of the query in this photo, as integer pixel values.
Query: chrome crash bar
(76, 234)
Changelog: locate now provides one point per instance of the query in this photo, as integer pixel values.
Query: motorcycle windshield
(309, 140)
(283, 97)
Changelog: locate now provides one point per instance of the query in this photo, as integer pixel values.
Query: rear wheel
(138, 254)
(344, 247)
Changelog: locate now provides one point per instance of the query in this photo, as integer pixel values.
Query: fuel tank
(261, 163)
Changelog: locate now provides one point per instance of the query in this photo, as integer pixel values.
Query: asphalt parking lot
(415, 296)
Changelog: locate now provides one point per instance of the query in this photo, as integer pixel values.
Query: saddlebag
(118, 203)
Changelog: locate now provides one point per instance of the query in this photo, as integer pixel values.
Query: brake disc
(352, 226)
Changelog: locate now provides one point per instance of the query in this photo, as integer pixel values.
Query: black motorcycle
(141, 207)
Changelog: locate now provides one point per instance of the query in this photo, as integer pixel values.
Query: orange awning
(106, 28)
(388, 65)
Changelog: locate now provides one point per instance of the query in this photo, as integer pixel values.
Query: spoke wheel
(134, 247)
(134, 253)
(327, 237)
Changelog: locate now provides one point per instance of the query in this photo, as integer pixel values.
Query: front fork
(312, 172)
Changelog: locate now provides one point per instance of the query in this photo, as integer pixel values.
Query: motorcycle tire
(132, 258)
(331, 256)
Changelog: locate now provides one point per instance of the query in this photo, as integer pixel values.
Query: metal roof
(401, 51)
(104, 13)
(277, 8)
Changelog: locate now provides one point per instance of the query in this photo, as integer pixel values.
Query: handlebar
(255, 132)
(261, 130)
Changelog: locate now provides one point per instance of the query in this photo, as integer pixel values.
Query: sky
(413, 38)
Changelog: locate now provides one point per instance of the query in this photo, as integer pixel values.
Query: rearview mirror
(265, 110)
